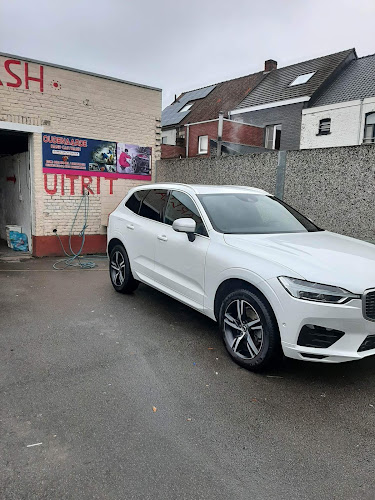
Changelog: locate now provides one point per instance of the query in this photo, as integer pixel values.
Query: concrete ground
(8, 254)
(81, 368)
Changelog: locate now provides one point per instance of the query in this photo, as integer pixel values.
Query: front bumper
(293, 314)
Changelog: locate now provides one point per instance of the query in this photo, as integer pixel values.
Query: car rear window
(134, 202)
(153, 204)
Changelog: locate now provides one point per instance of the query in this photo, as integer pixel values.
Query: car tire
(119, 271)
(249, 328)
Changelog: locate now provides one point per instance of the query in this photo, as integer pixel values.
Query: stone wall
(251, 170)
(335, 187)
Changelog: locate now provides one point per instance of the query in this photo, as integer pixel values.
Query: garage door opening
(15, 187)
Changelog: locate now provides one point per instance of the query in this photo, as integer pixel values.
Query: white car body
(192, 272)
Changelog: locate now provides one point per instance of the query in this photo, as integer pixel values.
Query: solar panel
(172, 115)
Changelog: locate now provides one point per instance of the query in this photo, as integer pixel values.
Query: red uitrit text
(75, 184)
(16, 72)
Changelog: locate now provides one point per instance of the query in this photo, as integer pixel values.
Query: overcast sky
(182, 45)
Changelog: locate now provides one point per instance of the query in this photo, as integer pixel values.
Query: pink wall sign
(71, 184)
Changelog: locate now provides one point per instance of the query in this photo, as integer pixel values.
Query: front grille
(369, 304)
(367, 344)
(318, 336)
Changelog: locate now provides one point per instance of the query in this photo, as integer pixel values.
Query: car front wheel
(249, 329)
(120, 272)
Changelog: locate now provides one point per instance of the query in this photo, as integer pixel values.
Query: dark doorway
(15, 187)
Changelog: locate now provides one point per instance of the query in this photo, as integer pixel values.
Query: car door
(180, 263)
(140, 224)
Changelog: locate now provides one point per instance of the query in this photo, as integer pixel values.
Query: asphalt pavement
(106, 396)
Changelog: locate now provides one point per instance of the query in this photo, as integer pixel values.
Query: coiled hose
(74, 259)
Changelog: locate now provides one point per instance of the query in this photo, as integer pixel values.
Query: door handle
(162, 237)
(130, 226)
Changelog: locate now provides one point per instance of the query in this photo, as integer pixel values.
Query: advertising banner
(75, 155)
(134, 160)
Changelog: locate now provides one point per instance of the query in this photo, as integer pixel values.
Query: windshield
(246, 213)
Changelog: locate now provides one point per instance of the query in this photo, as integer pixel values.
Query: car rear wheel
(120, 272)
(249, 329)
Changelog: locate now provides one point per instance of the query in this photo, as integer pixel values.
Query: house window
(202, 144)
(186, 108)
(369, 136)
(324, 126)
(302, 79)
(273, 137)
(164, 139)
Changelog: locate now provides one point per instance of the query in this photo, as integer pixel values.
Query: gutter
(274, 104)
(187, 141)
(360, 123)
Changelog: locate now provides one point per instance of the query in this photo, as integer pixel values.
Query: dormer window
(186, 107)
(302, 79)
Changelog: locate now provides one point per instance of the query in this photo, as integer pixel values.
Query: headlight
(306, 290)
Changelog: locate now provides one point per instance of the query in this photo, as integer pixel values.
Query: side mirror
(187, 226)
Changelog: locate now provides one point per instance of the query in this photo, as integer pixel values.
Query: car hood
(322, 256)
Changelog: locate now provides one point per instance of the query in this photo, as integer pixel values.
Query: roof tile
(357, 81)
(275, 87)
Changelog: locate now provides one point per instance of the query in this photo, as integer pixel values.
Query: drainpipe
(187, 141)
(360, 123)
(219, 133)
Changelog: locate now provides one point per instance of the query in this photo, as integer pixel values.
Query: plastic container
(18, 241)
(12, 227)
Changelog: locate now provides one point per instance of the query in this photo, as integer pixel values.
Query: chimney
(270, 65)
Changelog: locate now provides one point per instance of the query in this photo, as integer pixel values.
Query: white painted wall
(347, 124)
(170, 136)
(15, 203)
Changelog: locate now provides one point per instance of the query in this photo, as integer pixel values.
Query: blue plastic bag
(18, 241)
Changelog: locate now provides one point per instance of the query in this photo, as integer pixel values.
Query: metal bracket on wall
(280, 175)
(156, 171)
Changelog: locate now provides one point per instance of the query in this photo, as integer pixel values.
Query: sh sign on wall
(18, 74)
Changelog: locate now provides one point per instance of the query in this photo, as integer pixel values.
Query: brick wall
(168, 151)
(347, 124)
(242, 134)
(80, 105)
(232, 132)
(208, 128)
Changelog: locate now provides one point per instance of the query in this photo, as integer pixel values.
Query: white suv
(272, 279)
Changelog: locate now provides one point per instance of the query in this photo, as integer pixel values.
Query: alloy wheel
(118, 268)
(243, 329)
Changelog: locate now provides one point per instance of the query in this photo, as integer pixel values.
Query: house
(278, 100)
(344, 114)
(192, 121)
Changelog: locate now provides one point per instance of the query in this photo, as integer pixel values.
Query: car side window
(134, 202)
(179, 206)
(153, 204)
